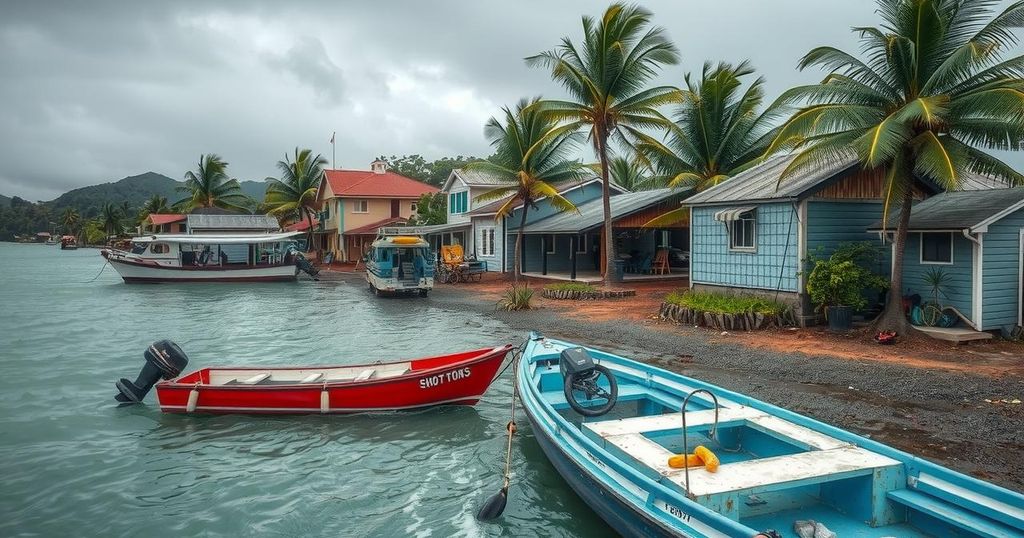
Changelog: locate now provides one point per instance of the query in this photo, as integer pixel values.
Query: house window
(581, 243)
(413, 205)
(743, 231)
(551, 244)
(360, 206)
(458, 202)
(937, 248)
(487, 241)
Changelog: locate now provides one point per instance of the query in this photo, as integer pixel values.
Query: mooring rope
(105, 263)
(511, 423)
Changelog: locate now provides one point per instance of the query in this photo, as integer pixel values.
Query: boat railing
(711, 434)
(388, 231)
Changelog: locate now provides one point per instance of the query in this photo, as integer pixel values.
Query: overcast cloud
(96, 91)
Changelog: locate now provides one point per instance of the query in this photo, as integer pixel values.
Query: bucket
(840, 318)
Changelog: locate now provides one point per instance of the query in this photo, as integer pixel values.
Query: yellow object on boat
(405, 240)
(679, 461)
(708, 457)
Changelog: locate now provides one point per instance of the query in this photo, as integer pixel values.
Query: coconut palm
(71, 220)
(627, 173)
(209, 186)
(156, 204)
(111, 219)
(719, 129)
(528, 158)
(606, 77)
(931, 95)
(295, 192)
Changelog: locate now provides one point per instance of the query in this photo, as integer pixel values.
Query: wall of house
(494, 262)
(831, 223)
(773, 264)
(544, 209)
(1001, 293)
(959, 290)
(378, 209)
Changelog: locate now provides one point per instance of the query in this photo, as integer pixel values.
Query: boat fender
(708, 457)
(325, 401)
(193, 401)
(701, 457)
(164, 359)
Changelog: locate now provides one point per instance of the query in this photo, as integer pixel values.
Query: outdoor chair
(661, 263)
(645, 265)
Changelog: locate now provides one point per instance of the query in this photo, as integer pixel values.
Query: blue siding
(772, 266)
(544, 208)
(959, 290)
(1000, 273)
(830, 223)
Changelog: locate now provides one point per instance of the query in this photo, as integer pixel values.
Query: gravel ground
(940, 415)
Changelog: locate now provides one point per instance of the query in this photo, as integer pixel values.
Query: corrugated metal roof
(478, 178)
(591, 214)
(761, 183)
(957, 210)
(562, 187)
(232, 222)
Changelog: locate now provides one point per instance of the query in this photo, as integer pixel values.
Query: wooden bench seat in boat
(312, 377)
(961, 507)
(626, 393)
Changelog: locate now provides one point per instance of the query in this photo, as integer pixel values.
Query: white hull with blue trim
(777, 467)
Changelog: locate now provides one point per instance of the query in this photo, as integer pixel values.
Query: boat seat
(312, 377)
(365, 374)
(953, 515)
(255, 379)
(671, 421)
(960, 506)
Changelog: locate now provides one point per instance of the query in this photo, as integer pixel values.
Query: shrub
(571, 286)
(517, 297)
(722, 303)
(842, 278)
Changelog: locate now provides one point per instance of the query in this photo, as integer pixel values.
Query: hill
(133, 189)
(4, 201)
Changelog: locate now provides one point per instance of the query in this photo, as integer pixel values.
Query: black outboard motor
(581, 375)
(304, 265)
(163, 359)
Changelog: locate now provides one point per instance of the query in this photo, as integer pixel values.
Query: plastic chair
(661, 263)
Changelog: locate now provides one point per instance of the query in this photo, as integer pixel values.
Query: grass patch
(721, 303)
(516, 297)
(571, 286)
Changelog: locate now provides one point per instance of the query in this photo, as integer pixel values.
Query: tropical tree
(528, 158)
(294, 193)
(156, 204)
(931, 96)
(432, 208)
(627, 173)
(719, 130)
(111, 219)
(71, 221)
(606, 77)
(209, 186)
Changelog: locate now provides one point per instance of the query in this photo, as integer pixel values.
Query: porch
(595, 277)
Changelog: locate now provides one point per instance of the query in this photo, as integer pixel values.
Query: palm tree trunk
(893, 317)
(309, 221)
(519, 245)
(609, 240)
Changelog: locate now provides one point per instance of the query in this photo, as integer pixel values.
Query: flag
(332, 137)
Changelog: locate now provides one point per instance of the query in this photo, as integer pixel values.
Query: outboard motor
(164, 359)
(581, 375)
(304, 265)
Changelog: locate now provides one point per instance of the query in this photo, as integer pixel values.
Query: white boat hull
(135, 272)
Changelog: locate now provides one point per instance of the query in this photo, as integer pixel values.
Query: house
(212, 222)
(163, 223)
(354, 204)
(976, 239)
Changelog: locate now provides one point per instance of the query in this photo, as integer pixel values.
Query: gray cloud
(95, 91)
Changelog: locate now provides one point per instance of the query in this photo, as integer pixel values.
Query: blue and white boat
(400, 263)
(776, 467)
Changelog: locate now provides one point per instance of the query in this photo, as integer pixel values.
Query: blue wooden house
(976, 238)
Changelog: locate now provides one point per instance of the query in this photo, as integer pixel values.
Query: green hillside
(4, 201)
(133, 189)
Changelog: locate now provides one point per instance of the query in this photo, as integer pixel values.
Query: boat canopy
(217, 239)
(400, 241)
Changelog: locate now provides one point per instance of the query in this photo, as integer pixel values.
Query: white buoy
(193, 401)
(325, 401)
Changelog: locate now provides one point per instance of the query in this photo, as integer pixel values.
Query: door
(396, 208)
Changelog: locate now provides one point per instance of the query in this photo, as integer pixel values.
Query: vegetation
(627, 173)
(931, 96)
(431, 172)
(516, 297)
(156, 204)
(209, 186)
(432, 208)
(844, 277)
(71, 221)
(606, 77)
(293, 196)
(938, 282)
(720, 129)
(531, 153)
(722, 303)
(571, 286)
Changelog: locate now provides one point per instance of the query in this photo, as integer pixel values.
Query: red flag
(332, 137)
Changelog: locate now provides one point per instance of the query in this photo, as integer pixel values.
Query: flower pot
(840, 318)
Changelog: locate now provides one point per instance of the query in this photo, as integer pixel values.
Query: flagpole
(334, 153)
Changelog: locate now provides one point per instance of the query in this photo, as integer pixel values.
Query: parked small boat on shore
(210, 258)
(748, 468)
(455, 379)
(400, 264)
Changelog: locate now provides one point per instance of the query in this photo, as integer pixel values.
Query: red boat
(460, 378)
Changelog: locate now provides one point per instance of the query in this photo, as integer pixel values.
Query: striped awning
(733, 214)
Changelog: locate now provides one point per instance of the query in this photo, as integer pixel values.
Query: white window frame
(364, 203)
(582, 242)
(551, 244)
(753, 242)
(920, 250)
(413, 206)
(487, 242)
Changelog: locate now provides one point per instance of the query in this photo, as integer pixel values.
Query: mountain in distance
(4, 201)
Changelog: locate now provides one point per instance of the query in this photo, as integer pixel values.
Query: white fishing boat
(400, 264)
(210, 258)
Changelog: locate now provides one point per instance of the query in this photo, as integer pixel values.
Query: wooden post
(604, 260)
(573, 247)
(522, 255)
(544, 257)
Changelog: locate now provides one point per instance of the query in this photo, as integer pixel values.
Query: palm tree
(529, 158)
(626, 173)
(720, 129)
(605, 78)
(210, 186)
(931, 96)
(156, 204)
(295, 192)
(71, 220)
(111, 216)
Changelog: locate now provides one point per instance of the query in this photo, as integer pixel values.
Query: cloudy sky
(96, 91)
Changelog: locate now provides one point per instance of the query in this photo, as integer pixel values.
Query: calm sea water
(73, 463)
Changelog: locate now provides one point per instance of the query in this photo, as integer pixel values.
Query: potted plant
(837, 284)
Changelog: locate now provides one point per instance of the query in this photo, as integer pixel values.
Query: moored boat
(210, 258)
(454, 379)
(400, 263)
(774, 470)
(68, 242)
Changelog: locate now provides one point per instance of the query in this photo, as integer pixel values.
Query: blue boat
(610, 424)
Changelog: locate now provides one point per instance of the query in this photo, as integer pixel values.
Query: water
(73, 463)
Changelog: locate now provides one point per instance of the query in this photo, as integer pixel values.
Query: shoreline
(937, 413)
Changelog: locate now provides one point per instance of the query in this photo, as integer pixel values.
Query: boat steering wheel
(586, 384)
